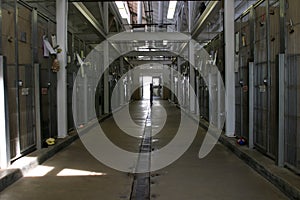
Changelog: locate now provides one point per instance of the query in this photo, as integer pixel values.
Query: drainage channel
(141, 183)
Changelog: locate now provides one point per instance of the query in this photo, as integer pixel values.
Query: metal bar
(252, 33)
(251, 106)
(34, 36)
(101, 10)
(268, 40)
(116, 13)
(281, 105)
(105, 17)
(49, 88)
(17, 74)
(36, 79)
(192, 78)
(37, 106)
(106, 77)
(283, 38)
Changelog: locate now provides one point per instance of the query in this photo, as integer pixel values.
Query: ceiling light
(171, 10)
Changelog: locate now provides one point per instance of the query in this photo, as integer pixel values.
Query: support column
(4, 137)
(122, 87)
(106, 78)
(179, 82)
(172, 88)
(192, 77)
(61, 29)
(251, 106)
(281, 111)
(106, 17)
(85, 100)
(160, 13)
(139, 12)
(229, 67)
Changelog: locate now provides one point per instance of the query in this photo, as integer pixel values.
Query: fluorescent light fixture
(171, 10)
(123, 10)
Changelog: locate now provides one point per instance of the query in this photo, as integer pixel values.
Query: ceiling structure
(93, 21)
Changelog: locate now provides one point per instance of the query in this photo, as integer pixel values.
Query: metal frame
(281, 86)
(281, 111)
(251, 106)
(212, 8)
(17, 73)
(36, 69)
(268, 39)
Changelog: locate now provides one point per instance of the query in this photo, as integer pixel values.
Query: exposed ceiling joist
(89, 17)
(143, 62)
(211, 10)
(150, 53)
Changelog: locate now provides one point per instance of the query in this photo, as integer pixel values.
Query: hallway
(74, 174)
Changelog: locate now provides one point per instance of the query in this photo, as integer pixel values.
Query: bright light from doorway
(123, 10)
(171, 10)
(146, 86)
(39, 171)
(75, 172)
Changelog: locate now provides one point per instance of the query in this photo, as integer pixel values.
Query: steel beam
(251, 106)
(89, 17)
(150, 53)
(106, 17)
(143, 62)
(37, 106)
(16, 41)
(211, 10)
(283, 38)
(116, 13)
(149, 36)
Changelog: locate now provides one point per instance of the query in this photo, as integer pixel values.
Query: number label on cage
(25, 91)
(262, 88)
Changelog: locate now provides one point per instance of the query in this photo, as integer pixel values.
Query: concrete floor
(220, 175)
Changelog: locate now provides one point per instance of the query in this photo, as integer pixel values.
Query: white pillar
(229, 67)
(4, 141)
(139, 12)
(61, 29)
